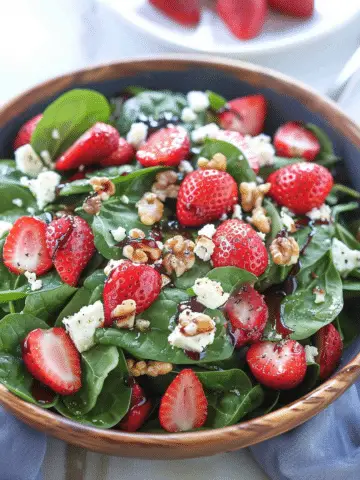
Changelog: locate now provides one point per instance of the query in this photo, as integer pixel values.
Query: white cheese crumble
(112, 264)
(45, 155)
(311, 353)
(4, 227)
(31, 210)
(204, 248)
(33, 282)
(209, 293)
(319, 295)
(262, 147)
(55, 134)
(44, 187)
(188, 115)
(82, 325)
(207, 131)
(185, 167)
(207, 230)
(188, 339)
(237, 212)
(119, 234)
(18, 202)
(223, 217)
(137, 134)
(28, 161)
(345, 259)
(287, 221)
(124, 199)
(322, 213)
(262, 236)
(198, 101)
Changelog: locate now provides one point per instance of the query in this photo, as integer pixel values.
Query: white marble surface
(43, 38)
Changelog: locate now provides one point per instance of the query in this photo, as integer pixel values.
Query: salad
(166, 266)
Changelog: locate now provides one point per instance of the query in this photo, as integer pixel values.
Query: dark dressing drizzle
(42, 393)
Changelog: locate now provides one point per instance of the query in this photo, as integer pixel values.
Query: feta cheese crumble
(18, 202)
(237, 213)
(262, 236)
(119, 234)
(184, 335)
(311, 353)
(345, 259)
(207, 131)
(55, 134)
(322, 213)
(188, 115)
(262, 147)
(112, 264)
(185, 167)
(82, 325)
(209, 293)
(137, 134)
(4, 227)
(44, 187)
(28, 161)
(31, 210)
(204, 248)
(198, 101)
(45, 155)
(319, 295)
(287, 221)
(124, 199)
(207, 230)
(33, 282)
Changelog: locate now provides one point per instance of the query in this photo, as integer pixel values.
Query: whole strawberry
(330, 346)
(244, 18)
(24, 134)
(301, 186)
(293, 140)
(246, 115)
(204, 196)
(237, 244)
(70, 243)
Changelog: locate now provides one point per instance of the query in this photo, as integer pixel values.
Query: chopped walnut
(165, 280)
(150, 209)
(193, 323)
(142, 325)
(181, 255)
(141, 252)
(252, 195)
(150, 368)
(136, 233)
(124, 314)
(165, 187)
(92, 205)
(260, 220)
(103, 186)
(284, 251)
(218, 162)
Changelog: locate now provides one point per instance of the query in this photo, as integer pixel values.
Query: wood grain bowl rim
(190, 444)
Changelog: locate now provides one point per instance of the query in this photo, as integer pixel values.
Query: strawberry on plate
(237, 244)
(244, 18)
(25, 247)
(70, 243)
(295, 8)
(330, 346)
(248, 314)
(301, 186)
(184, 405)
(239, 141)
(246, 115)
(51, 357)
(185, 12)
(294, 140)
(140, 408)
(100, 141)
(168, 146)
(204, 196)
(24, 134)
(123, 154)
(281, 366)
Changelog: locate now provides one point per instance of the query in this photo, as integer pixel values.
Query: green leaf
(343, 234)
(271, 399)
(134, 90)
(187, 280)
(13, 330)
(10, 189)
(71, 115)
(225, 381)
(310, 381)
(341, 208)
(348, 325)
(231, 277)
(79, 300)
(279, 162)
(217, 102)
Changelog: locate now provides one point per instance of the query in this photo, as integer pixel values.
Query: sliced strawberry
(168, 146)
(301, 186)
(237, 244)
(123, 154)
(330, 347)
(296, 8)
(100, 141)
(204, 196)
(240, 142)
(293, 140)
(130, 281)
(25, 247)
(24, 134)
(248, 314)
(184, 405)
(246, 115)
(51, 357)
(70, 242)
(185, 12)
(277, 365)
(244, 18)
(140, 408)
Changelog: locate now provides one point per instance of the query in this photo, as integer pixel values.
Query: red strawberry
(248, 314)
(244, 18)
(240, 142)
(296, 8)
(25, 247)
(123, 154)
(204, 196)
(301, 186)
(246, 115)
(137, 282)
(51, 357)
(186, 12)
(184, 405)
(168, 146)
(277, 365)
(330, 346)
(237, 244)
(140, 408)
(24, 134)
(70, 242)
(96, 143)
(293, 140)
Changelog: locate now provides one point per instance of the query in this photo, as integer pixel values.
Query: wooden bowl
(288, 100)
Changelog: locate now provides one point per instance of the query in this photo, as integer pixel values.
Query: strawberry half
(100, 141)
(130, 281)
(248, 314)
(70, 242)
(277, 365)
(123, 154)
(244, 18)
(330, 347)
(240, 142)
(51, 357)
(301, 186)
(24, 134)
(168, 146)
(184, 405)
(246, 115)
(295, 8)
(204, 196)
(140, 408)
(237, 244)
(293, 140)
(25, 247)
(185, 12)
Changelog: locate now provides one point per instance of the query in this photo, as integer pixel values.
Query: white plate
(212, 36)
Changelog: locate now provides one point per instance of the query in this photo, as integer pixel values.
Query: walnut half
(284, 251)
(150, 209)
(180, 256)
(165, 187)
(218, 162)
(252, 195)
(150, 368)
(124, 314)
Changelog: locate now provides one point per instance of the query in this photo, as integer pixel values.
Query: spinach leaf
(225, 380)
(231, 277)
(279, 162)
(13, 330)
(348, 325)
(271, 399)
(338, 191)
(187, 280)
(344, 207)
(343, 234)
(71, 115)
(216, 101)
(327, 155)
(96, 279)
(79, 300)
(309, 383)
(115, 171)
